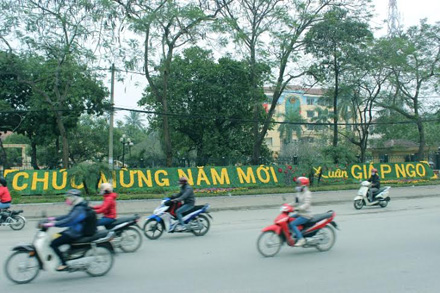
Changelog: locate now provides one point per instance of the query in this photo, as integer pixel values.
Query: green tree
(56, 38)
(414, 61)
(209, 101)
(292, 123)
(336, 43)
(165, 26)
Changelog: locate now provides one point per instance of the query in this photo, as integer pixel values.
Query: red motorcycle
(319, 232)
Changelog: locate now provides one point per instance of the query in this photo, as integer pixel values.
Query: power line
(212, 117)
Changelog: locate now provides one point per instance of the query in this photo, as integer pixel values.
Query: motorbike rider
(108, 206)
(302, 204)
(186, 195)
(375, 184)
(73, 220)
(5, 197)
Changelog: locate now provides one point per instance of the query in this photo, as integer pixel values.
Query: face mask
(299, 188)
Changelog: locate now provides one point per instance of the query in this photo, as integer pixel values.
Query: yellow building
(296, 99)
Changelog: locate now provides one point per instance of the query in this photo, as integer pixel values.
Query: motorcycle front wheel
(200, 225)
(131, 239)
(102, 261)
(153, 229)
(383, 203)
(269, 243)
(19, 223)
(21, 267)
(358, 204)
(326, 237)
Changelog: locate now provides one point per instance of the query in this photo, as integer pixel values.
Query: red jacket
(4, 194)
(108, 207)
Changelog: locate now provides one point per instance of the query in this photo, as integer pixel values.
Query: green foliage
(89, 173)
(209, 99)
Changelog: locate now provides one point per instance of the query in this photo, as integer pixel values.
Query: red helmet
(374, 170)
(303, 181)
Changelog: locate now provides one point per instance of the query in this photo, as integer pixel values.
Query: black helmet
(3, 181)
(73, 192)
(183, 180)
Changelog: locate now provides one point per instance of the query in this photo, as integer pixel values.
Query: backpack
(90, 221)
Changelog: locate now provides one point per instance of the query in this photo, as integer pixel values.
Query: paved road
(395, 249)
(220, 203)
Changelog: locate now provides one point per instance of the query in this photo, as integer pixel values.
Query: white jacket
(303, 203)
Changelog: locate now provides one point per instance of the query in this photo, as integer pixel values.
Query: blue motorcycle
(164, 218)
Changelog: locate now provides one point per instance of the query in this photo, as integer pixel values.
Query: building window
(310, 101)
(310, 114)
(269, 141)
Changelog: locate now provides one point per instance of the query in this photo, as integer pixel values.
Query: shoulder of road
(219, 203)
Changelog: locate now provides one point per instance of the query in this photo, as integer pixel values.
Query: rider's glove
(47, 225)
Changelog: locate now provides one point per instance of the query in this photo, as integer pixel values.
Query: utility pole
(110, 135)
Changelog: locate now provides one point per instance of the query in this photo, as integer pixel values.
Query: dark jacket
(186, 195)
(73, 220)
(375, 181)
(108, 207)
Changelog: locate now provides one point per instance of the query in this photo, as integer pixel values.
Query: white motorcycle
(92, 254)
(380, 197)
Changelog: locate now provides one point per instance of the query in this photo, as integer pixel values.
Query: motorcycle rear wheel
(131, 239)
(358, 204)
(21, 268)
(269, 243)
(327, 238)
(200, 225)
(102, 261)
(153, 229)
(19, 224)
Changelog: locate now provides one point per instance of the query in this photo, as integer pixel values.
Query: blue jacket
(74, 220)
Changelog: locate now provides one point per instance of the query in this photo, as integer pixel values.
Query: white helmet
(106, 188)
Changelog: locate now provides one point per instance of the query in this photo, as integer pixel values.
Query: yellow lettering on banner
(385, 169)
(217, 179)
(55, 181)
(410, 173)
(201, 176)
(422, 172)
(159, 181)
(147, 180)
(248, 177)
(317, 170)
(275, 178)
(182, 173)
(264, 170)
(400, 171)
(357, 174)
(130, 175)
(15, 185)
(74, 185)
(7, 171)
(35, 180)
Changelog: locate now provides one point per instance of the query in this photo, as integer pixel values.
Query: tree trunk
(64, 141)
(422, 142)
(3, 156)
(34, 156)
(335, 106)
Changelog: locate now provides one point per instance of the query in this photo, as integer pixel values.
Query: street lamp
(126, 141)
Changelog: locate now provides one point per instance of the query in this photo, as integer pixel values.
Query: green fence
(58, 181)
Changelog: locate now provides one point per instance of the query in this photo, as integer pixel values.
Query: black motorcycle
(12, 219)
(127, 236)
